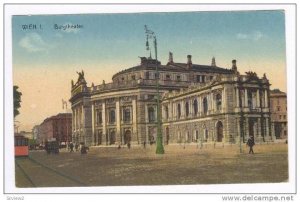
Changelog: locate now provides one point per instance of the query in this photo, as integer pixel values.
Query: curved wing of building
(199, 103)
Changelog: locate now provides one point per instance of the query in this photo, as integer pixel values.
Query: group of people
(128, 145)
(83, 149)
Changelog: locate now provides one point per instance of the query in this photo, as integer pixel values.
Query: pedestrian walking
(251, 143)
(71, 147)
(76, 146)
(128, 145)
(83, 149)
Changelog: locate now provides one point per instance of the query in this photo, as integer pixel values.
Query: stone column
(267, 128)
(191, 107)
(238, 130)
(93, 124)
(223, 100)
(146, 113)
(246, 128)
(246, 98)
(237, 98)
(118, 121)
(199, 105)
(259, 127)
(272, 131)
(75, 119)
(208, 104)
(182, 109)
(147, 135)
(134, 120)
(266, 98)
(104, 141)
(170, 111)
(257, 98)
(212, 103)
(173, 111)
(82, 134)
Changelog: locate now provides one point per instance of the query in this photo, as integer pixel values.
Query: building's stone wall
(213, 105)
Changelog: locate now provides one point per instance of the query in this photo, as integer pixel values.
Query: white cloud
(241, 36)
(33, 42)
(255, 36)
(58, 35)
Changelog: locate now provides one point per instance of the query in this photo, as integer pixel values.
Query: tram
(21, 146)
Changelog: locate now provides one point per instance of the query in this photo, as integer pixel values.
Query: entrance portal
(112, 137)
(127, 136)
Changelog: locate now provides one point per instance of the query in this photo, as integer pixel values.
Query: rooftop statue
(80, 76)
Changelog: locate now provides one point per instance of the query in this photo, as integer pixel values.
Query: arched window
(178, 111)
(195, 103)
(112, 117)
(151, 114)
(219, 101)
(205, 107)
(126, 115)
(187, 108)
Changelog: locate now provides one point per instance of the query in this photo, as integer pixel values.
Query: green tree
(17, 100)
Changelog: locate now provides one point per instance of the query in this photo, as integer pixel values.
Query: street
(181, 164)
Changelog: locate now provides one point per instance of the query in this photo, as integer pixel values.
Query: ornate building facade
(199, 102)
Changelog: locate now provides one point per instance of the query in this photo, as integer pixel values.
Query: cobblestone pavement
(109, 166)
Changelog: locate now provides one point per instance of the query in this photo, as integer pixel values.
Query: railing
(135, 83)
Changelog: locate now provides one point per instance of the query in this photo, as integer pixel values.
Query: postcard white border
(290, 11)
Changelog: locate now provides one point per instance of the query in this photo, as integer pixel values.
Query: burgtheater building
(203, 103)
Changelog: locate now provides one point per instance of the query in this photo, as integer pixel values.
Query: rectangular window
(156, 75)
(203, 79)
(112, 117)
(198, 78)
(168, 77)
(178, 77)
(126, 114)
(147, 75)
(133, 77)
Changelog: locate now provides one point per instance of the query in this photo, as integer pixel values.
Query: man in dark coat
(251, 143)
(71, 147)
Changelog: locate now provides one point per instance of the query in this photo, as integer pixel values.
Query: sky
(45, 59)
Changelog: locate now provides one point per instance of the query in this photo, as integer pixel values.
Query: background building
(26, 134)
(278, 101)
(58, 127)
(200, 101)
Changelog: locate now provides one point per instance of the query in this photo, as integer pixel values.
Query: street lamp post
(159, 145)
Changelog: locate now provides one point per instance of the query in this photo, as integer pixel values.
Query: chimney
(234, 67)
(213, 62)
(171, 57)
(189, 60)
